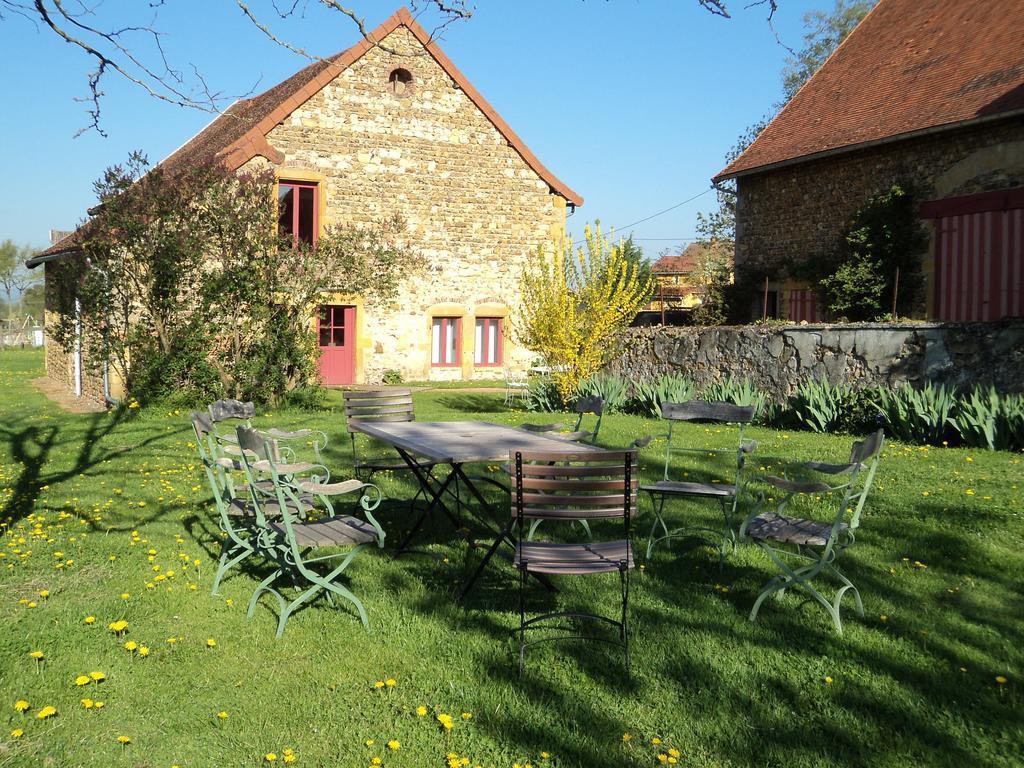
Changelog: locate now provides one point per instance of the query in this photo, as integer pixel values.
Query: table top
(465, 442)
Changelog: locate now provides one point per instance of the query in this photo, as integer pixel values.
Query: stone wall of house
(471, 203)
(777, 358)
(798, 212)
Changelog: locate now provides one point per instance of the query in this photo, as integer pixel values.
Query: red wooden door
(979, 256)
(336, 329)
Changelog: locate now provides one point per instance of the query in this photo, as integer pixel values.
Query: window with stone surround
(297, 211)
(445, 340)
(488, 349)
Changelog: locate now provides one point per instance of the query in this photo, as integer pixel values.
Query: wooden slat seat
(241, 507)
(709, 490)
(340, 531)
(830, 469)
(797, 486)
(791, 530)
(574, 559)
(331, 489)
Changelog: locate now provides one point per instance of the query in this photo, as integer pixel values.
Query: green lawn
(99, 506)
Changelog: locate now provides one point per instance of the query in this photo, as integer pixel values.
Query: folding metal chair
(574, 486)
(674, 485)
(816, 544)
(289, 541)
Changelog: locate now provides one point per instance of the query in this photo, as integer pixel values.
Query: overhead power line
(656, 215)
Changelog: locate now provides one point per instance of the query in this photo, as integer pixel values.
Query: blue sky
(632, 103)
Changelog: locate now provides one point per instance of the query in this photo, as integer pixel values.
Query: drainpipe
(107, 399)
(78, 347)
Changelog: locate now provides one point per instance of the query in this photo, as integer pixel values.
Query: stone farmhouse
(374, 130)
(929, 92)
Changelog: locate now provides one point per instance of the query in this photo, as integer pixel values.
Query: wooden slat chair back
(376, 406)
(732, 462)
(814, 545)
(234, 512)
(237, 411)
(574, 486)
(289, 541)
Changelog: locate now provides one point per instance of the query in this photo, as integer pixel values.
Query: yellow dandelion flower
(369, 742)
(446, 721)
(117, 627)
(17, 733)
(270, 757)
(1000, 680)
(674, 752)
(44, 593)
(98, 676)
(90, 619)
(124, 739)
(828, 680)
(394, 745)
(21, 705)
(37, 655)
(655, 740)
(421, 710)
(130, 646)
(87, 703)
(223, 715)
(379, 684)
(46, 712)
(125, 595)
(467, 715)
(627, 736)
(98, 705)
(376, 761)
(390, 682)
(288, 758)
(83, 680)
(211, 643)
(143, 651)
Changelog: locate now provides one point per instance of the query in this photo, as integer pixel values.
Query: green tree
(824, 32)
(33, 301)
(186, 288)
(14, 276)
(884, 238)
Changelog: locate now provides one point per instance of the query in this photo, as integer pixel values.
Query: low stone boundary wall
(779, 357)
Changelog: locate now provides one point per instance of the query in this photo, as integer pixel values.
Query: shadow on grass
(31, 448)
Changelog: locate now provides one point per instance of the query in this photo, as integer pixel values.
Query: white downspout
(78, 348)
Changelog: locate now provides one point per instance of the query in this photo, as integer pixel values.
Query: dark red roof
(240, 133)
(682, 263)
(911, 65)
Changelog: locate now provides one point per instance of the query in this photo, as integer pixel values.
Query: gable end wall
(472, 205)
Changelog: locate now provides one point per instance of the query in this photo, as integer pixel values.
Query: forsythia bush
(575, 304)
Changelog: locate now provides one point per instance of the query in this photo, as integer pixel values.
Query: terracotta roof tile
(681, 264)
(910, 65)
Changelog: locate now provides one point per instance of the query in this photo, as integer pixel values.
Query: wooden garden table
(458, 443)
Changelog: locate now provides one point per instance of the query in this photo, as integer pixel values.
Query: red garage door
(979, 256)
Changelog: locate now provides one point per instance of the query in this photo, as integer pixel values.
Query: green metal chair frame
(574, 486)
(289, 541)
(727, 494)
(236, 411)
(589, 405)
(235, 517)
(816, 544)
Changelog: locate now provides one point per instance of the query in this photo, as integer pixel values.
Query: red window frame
(297, 187)
(448, 325)
(483, 349)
